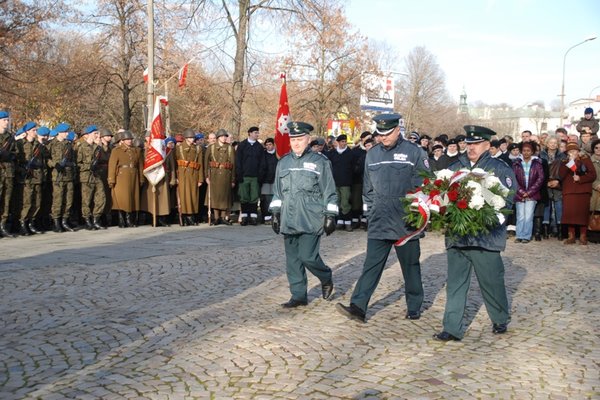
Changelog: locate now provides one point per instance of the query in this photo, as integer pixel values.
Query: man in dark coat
(266, 179)
(360, 153)
(249, 157)
(342, 161)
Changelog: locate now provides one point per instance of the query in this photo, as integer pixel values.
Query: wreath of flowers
(460, 203)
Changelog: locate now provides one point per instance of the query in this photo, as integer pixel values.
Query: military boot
(66, 226)
(96, 223)
(4, 231)
(32, 227)
(23, 230)
(130, 220)
(89, 224)
(121, 219)
(57, 226)
(537, 228)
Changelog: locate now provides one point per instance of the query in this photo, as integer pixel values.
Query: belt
(188, 164)
(215, 164)
(128, 166)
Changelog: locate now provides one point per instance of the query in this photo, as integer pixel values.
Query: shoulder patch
(508, 182)
(426, 162)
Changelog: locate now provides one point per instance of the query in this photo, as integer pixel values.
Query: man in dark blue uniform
(304, 206)
(480, 253)
(392, 168)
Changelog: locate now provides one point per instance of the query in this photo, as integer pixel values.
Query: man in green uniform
(304, 206)
(62, 159)
(93, 196)
(480, 253)
(33, 164)
(7, 171)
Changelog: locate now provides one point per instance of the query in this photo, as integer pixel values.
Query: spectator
(530, 178)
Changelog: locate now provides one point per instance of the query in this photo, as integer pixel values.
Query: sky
(500, 51)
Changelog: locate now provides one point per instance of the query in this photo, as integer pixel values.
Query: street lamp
(562, 90)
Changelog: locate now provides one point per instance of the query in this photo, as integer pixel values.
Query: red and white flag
(146, 75)
(572, 166)
(282, 137)
(154, 169)
(182, 75)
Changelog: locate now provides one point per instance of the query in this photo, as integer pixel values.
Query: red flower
(462, 204)
(438, 182)
(455, 186)
(426, 181)
(453, 195)
(433, 193)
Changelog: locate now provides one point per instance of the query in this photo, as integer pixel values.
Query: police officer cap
(43, 131)
(341, 137)
(477, 134)
(460, 138)
(189, 133)
(3, 114)
(105, 132)
(297, 129)
(62, 127)
(452, 141)
(385, 123)
(222, 132)
(90, 129)
(28, 126)
(125, 135)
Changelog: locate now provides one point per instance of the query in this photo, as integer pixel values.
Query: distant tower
(463, 108)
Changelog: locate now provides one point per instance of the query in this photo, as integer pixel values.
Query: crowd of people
(54, 179)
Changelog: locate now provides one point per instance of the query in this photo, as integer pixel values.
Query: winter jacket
(536, 180)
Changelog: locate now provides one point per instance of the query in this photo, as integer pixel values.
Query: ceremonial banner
(182, 75)
(282, 138)
(154, 169)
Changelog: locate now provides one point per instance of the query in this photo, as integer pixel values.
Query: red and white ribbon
(423, 209)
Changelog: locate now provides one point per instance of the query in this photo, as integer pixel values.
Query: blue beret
(71, 136)
(28, 126)
(199, 136)
(19, 131)
(90, 129)
(53, 133)
(62, 127)
(3, 114)
(170, 139)
(43, 131)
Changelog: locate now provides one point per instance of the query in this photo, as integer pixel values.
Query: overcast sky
(508, 51)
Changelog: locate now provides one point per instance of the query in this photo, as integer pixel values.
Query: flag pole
(150, 86)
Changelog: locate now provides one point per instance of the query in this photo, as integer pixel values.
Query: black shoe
(525, 241)
(162, 221)
(58, 228)
(5, 232)
(352, 312)
(253, 221)
(89, 224)
(129, 220)
(518, 240)
(226, 222)
(413, 315)
(327, 289)
(348, 228)
(66, 226)
(499, 328)
(445, 337)
(96, 223)
(244, 221)
(23, 231)
(294, 303)
(33, 229)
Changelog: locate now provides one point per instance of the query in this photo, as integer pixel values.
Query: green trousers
(302, 253)
(62, 200)
(343, 193)
(6, 192)
(377, 255)
(93, 199)
(249, 190)
(32, 200)
(489, 270)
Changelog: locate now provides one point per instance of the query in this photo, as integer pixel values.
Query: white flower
(490, 181)
(476, 202)
(497, 202)
(479, 172)
(475, 186)
(444, 174)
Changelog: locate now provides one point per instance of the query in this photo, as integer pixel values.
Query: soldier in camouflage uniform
(93, 196)
(106, 146)
(7, 171)
(33, 165)
(62, 161)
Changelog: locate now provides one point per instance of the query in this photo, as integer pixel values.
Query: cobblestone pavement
(192, 313)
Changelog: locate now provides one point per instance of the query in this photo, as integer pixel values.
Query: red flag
(572, 166)
(183, 75)
(146, 75)
(156, 152)
(282, 138)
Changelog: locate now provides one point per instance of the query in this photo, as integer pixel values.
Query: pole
(150, 86)
(562, 88)
(155, 200)
(167, 113)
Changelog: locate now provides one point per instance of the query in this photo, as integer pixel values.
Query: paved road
(192, 313)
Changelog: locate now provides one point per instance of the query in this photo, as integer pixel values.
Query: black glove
(329, 225)
(275, 222)
(59, 167)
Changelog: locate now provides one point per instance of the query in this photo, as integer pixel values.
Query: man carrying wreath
(480, 253)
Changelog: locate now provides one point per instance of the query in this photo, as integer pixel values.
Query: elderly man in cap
(304, 206)
(248, 159)
(8, 155)
(219, 167)
(480, 253)
(392, 169)
(93, 194)
(62, 160)
(190, 176)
